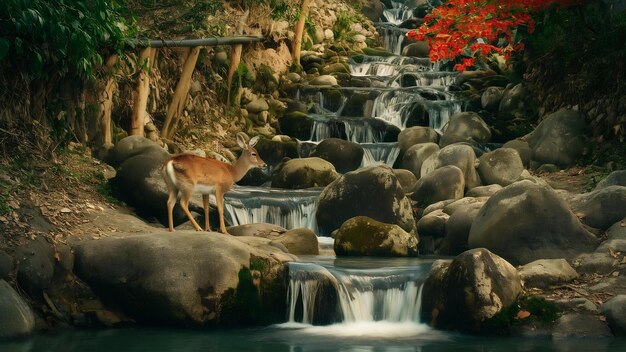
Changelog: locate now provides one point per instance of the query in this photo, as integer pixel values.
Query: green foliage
(265, 80)
(541, 311)
(45, 38)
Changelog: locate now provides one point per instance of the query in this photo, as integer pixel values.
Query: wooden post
(105, 102)
(141, 93)
(175, 108)
(235, 57)
(297, 40)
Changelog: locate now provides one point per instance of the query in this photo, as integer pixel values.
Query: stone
(275, 151)
(503, 166)
(615, 312)
(35, 266)
(523, 149)
(415, 135)
(524, 222)
(372, 9)
(601, 208)
(297, 125)
(559, 138)
(16, 317)
(324, 80)
(414, 157)
(461, 156)
(474, 287)
(372, 191)
(437, 206)
(187, 279)
(406, 178)
(615, 178)
(595, 263)
(452, 207)
(344, 155)
(457, 230)
(304, 173)
(544, 273)
(465, 127)
(417, 49)
(363, 236)
(257, 106)
(299, 241)
(513, 101)
(6, 265)
(433, 225)
(444, 183)
(578, 325)
(131, 146)
(483, 191)
(491, 97)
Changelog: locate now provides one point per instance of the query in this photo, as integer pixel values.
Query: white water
(374, 153)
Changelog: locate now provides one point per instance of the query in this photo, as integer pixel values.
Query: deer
(186, 174)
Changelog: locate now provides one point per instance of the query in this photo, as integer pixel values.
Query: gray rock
(372, 191)
(324, 80)
(443, 183)
(617, 231)
(615, 312)
(35, 266)
(417, 49)
(411, 136)
(131, 146)
(414, 157)
(615, 178)
(525, 222)
(491, 97)
(559, 138)
(595, 263)
(406, 178)
(483, 191)
(187, 278)
(544, 273)
(16, 316)
(457, 230)
(579, 303)
(264, 230)
(474, 287)
(465, 127)
(503, 166)
(344, 155)
(437, 206)
(372, 9)
(513, 100)
(363, 236)
(6, 265)
(304, 173)
(257, 106)
(603, 207)
(433, 225)
(461, 156)
(523, 149)
(580, 325)
(475, 202)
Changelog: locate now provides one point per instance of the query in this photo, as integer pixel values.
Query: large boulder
(296, 241)
(131, 146)
(415, 135)
(363, 236)
(457, 230)
(417, 49)
(414, 157)
(344, 155)
(444, 183)
(524, 222)
(406, 178)
(615, 178)
(35, 264)
(602, 207)
(474, 287)
(461, 156)
(559, 138)
(16, 316)
(372, 191)
(465, 127)
(503, 166)
(187, 278)
(304, 173)
(523, 149)
(372, 9)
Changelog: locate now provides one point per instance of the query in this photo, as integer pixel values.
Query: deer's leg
(205, 202)
(184, 203)
(171, 201)
(219, 197)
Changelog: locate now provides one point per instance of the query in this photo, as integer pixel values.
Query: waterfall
(373, 295)
(398, 13)
(355, 129)
(393, 37)
(286, 208)
(380, 152)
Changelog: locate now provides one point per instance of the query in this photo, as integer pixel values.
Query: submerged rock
(363, 236)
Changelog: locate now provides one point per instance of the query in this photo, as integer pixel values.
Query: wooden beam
(141, 92)
(297, 40)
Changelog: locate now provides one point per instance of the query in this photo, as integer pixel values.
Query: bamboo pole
(106, 103)
(141, 93)
(190, 43)
(175, 108)
(297, 40)
(235, 57)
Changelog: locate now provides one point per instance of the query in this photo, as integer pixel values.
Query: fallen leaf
(613, 253)
(57, 256)
(602, 318)
(522, 314)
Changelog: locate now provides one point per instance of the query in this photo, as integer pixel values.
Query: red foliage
(472, 28)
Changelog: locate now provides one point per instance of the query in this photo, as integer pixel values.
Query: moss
(541, 311)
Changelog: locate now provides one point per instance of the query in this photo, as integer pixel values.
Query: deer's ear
(253, 141)
(241, 141)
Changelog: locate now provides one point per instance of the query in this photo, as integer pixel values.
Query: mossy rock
(297, 125)
(362, 235)
(377, 52)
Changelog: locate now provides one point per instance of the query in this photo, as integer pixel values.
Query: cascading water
(386, 153)
(398, 12)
